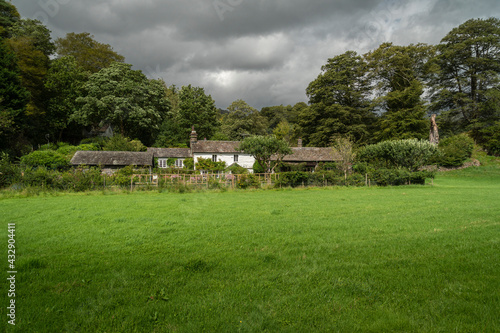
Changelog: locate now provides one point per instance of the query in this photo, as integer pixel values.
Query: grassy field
(406, 259)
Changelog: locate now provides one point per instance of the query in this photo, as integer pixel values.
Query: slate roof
(112, 158)
(170, 152)
(220, 147)
(311, 154)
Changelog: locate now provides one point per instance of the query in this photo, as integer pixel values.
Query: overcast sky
(265, 52)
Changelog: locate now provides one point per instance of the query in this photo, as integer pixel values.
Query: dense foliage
(71, 89)
(409, 154)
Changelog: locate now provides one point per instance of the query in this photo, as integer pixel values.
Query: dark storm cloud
(263, 51)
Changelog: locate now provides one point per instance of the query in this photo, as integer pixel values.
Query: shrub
(121, 143)
(9, 173)
(455, 150)
(122, 177)
(410, 154)
(396, 177)
(207, 164)
(189, 163)
(45, 158)
(247, 181)
(82, 180)
(237, 169)
(42, 177)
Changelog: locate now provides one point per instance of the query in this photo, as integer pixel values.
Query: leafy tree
(466, 87)
(339, 99)
(89, 53)
(13, 96)
(242, 120)
(344, 147)
(171, 133)
(37, 32)
(124, 98)
(8, 16)
(196, 109)
(263, 148)
(64, 85)
(398, 73)
(277, 114)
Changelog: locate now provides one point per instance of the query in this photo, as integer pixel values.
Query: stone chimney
(193, 137)
(299, 143)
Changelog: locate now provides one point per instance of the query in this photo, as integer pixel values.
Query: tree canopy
(263, 148)
(90, 54)
(124, 98)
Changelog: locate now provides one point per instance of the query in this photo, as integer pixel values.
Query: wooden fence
(204, 180)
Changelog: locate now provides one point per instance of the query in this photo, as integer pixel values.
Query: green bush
(247, 181)
(455, 150)
(9, 172)
(409, 154)
(121, 143)
(45, 158)
(189, 163)
(396, 177)
(80, 180)
(207, 164)
(237, 169)
(42, 177)
(123, 176)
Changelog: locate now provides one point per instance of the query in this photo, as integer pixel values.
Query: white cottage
(220, 151)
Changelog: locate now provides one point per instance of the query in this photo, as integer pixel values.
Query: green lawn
(408, 259)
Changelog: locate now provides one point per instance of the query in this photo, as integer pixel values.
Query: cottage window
(162, 164)
(235, 158)
(178, 163)
(214, 158)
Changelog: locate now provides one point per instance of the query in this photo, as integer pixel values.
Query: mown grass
(408, 259)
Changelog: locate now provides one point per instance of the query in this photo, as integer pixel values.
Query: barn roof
(112, 158)
(311, 154)
(170, 152)
(220, 147)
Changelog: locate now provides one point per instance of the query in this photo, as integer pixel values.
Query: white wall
(245, 161)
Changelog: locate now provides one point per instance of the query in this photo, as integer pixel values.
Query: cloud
(262, 51)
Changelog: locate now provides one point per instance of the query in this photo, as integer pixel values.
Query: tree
(242, 120)
(8, 16)
(13, 96)
(344, 147)
(466, 87)
(197, 109)
(339, 99)
(398, 73)
(64, 85)
(89, 53)
(124, 98)
(263, 148)
(37, 32)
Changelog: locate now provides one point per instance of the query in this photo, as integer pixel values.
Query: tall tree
(124, 98)
(242, 120)
(466, 88)
(13, 96)
(89, 53)
(64, 85)
(339, 99)
(197, 109)
(37, 32)
(398, 73)
(8, 16)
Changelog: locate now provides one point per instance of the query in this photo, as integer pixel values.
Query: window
(214, 158)
(235, 158)
(178, 163)
(162, 163)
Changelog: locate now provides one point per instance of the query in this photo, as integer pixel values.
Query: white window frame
(236, 158)
(162, 163)
(179, 163)
(214, 158)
